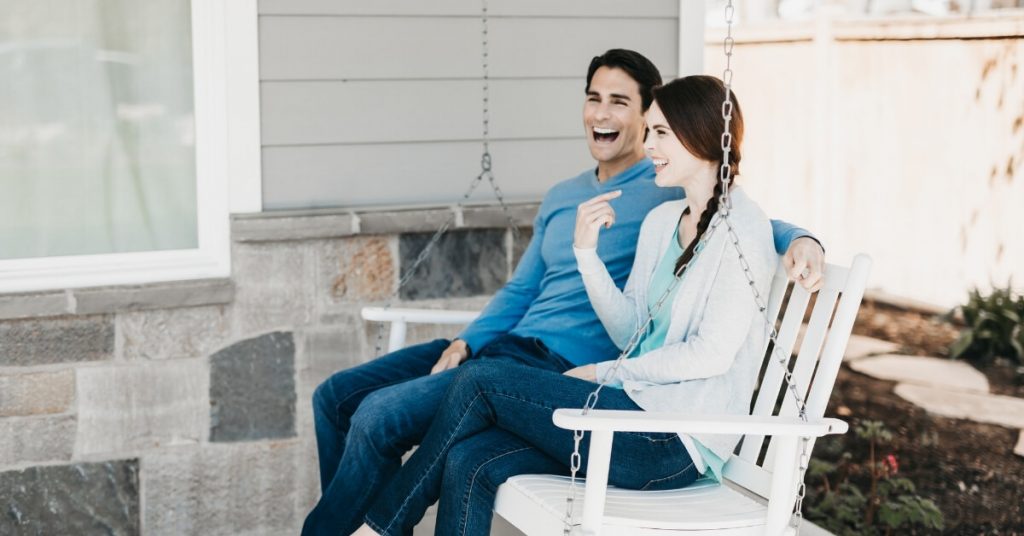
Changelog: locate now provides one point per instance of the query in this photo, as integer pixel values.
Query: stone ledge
(336, 223)
(100, 300)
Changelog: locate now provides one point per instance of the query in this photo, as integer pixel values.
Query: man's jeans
(368, 416)
(498, 414)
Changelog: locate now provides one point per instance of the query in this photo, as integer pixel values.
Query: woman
(700, 353)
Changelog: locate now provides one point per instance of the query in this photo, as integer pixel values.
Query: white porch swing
(762, 488)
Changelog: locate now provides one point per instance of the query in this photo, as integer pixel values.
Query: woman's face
(673, 163)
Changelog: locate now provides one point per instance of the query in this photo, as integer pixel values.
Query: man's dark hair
(638, 67)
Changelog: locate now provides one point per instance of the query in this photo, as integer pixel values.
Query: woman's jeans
(498, 414)
(367, 417)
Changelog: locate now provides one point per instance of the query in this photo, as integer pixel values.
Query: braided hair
(692, 106)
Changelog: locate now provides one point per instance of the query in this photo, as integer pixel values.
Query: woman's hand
(586, 372)
(590, 216)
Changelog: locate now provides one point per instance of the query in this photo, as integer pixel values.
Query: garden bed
(968, 469)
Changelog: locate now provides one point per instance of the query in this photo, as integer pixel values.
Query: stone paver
(858, 347)
(1019, 449)
(925, 371)
(993, 409)
(861, 346)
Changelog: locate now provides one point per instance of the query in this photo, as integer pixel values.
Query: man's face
(613, 117)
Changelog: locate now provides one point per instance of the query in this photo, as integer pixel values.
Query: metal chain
(725, 206)
(486, 172)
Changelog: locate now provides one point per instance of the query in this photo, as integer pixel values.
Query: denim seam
(464, 522)
(656, 480)
(369, 522)
(432, 463)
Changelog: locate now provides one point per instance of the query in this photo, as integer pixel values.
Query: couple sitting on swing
(480, 407)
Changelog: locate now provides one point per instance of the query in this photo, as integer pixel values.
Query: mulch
(968, 469)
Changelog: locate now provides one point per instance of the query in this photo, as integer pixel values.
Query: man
(367, 417)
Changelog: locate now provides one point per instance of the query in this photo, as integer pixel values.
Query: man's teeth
(598, 130)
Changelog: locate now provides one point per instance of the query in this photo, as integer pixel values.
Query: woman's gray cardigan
(716, 337)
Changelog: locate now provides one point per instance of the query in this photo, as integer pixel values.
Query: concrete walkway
(941, 386)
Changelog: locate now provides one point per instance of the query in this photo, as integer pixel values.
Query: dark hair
(638, 67)
(693, 108)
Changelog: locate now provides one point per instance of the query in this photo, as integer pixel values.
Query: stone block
(153, 296)
(83, 498)
(34, 304)
(354, 270)
(56, 340)
(142, 406)
(264, 227)
(36, 393)
(519, 245)
(273, 287)
(243, 488)
(861, 346)
(927, 371)
(169, 333)
(330, 349)
(463, 263)
(36, 439)
(252, 389)
(1019, 449)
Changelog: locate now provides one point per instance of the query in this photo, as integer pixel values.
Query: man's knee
(386, 424)
(335, 395)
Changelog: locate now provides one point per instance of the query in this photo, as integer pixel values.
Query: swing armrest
(418, 316)
(647, 421)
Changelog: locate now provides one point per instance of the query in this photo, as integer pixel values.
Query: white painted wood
(692, 19)
(434, 172)
(422, 316)
(426, 48)
(598, 462)
(242, 76)
(471, 8)
(608, 420)
(535, 503)
(213, 257)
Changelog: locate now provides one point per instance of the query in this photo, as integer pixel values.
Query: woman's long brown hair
(693, 108)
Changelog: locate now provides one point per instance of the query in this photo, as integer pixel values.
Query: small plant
(889, 505)
(995, 328)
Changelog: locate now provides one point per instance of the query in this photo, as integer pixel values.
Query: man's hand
(805, 263)
(586, 372)
(591, 215)
(452, 356)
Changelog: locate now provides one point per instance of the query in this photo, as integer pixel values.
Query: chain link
(725, 206)
(486, 172)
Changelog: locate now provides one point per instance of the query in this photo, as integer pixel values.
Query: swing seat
(760, 481)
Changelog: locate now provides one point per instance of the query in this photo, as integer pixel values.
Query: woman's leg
(473, 471)
(519, 400)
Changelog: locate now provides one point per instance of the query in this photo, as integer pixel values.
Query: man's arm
(802, 254)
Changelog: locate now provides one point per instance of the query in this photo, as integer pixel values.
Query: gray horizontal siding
(421, 110)
(439, 172)
(417, 47)
(471, 8)
(379, 102)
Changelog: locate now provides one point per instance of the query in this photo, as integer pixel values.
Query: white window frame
(226, 100)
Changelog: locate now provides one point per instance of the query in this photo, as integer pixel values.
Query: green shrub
(867, 498)
(995, 328)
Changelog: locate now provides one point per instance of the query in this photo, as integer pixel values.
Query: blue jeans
(368, 416)
(497, 415)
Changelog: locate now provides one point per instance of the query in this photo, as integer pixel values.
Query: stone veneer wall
(184, 408)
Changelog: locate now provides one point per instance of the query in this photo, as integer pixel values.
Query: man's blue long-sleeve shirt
(545, 297)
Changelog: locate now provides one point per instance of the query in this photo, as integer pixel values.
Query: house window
(111, 143)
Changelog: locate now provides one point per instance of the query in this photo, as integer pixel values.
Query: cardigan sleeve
(620, 310)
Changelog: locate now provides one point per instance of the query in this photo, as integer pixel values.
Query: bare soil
(968, 469)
